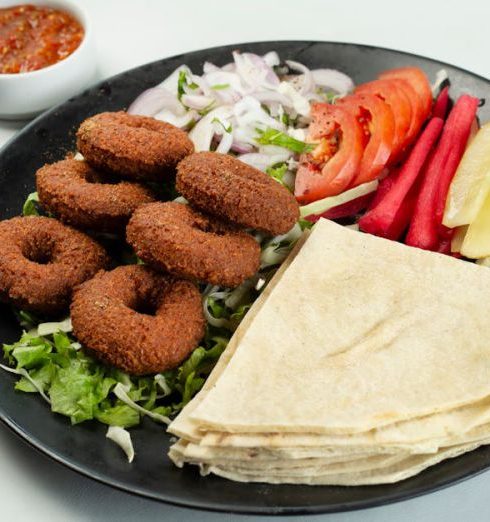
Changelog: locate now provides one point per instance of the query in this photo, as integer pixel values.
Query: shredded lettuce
(51, 362)
(81, 388)
(275, 137)
(123, 439)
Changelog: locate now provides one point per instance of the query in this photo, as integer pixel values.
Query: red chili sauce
(33, 37)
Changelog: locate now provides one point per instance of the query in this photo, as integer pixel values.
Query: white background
(132, 32)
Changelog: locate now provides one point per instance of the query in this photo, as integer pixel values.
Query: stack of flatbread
(363, 362)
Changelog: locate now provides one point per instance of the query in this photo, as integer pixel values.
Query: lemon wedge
(458, 238)
(476, 243)
(471, 183)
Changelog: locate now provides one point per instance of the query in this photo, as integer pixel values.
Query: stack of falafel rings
(144, 317)
(363, 362)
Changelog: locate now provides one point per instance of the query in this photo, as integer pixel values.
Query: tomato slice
(418, 80)
(334, 162)
(401, 107)
(418, 114)
(376, 118)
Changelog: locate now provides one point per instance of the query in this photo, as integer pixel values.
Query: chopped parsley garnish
(182, 83)
(220, 86)
(277, 172)
(226, 129)
(275, 137)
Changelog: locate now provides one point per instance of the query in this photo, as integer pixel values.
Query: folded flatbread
(361, 354)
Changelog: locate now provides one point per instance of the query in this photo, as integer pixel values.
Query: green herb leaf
(305, 224)
(182, 83)
(274, 137)
(30, 207)
(277, 172)
(226, 129)
(220, 86)
(27, 320)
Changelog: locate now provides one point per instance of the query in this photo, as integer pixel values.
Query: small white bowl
(24, 95)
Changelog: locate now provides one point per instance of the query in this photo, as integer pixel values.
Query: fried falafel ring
(133, 147)
(175, 238)
(79, 196)
(229, 189)
(42, 262)
(138, 320)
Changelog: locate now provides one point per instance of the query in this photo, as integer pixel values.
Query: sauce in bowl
(33, 37)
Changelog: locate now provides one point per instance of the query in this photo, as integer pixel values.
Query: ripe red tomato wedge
(377, 120)
(418, 80)
(334, 162)
(400, 106)
(418, 114)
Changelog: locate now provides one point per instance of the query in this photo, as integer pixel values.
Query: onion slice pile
(225, 107)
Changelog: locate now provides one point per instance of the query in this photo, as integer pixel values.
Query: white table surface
(132, 32)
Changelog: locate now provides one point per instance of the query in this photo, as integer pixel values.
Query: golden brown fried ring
(138, 320)
(229, 189)
(73, 192)
(175, 238)
(133, 147)
(42, 261)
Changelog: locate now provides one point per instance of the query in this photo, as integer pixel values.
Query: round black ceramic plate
(84, 448)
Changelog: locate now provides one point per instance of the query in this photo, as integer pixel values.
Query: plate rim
(211, 506)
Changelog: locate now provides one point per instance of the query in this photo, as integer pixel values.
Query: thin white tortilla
(399, 471)
(437, 426)
(184, 451)
(337, 348)
(182, 426)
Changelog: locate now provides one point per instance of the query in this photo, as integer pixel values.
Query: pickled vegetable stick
(471, 184)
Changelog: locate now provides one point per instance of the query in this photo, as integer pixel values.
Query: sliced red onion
(308, 84)
(271, 59)
(223, 78)
(241, 148)
(314, 97)
(209, 67)
(272, 97)
(254, 71)
(228, 95)
(261, 160)
(203, 86)
(229, 67)
(225, 143)
(181, 121)
(202, 134)
(300, 104)
(171, 82)
(333, 79)
(249, 112)
(154, 100)
(194, 101)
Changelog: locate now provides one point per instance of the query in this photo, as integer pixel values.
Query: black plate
(84, 447)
